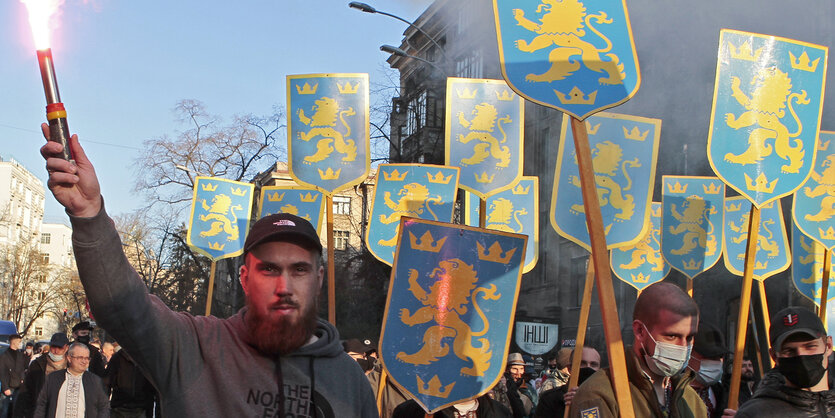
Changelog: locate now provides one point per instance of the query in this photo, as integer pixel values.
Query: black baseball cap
(83, 325)
(709, 341)
(794, 320)
(59, 339)
(283, 227)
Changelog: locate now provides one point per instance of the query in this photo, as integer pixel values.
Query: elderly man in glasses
(74, 392)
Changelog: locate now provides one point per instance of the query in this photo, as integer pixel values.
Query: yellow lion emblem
(220, 207)
(646, 251)
(606, 159)
(825, 188)
(414, 199)
(815, 254)
(502, 214)
(448, 298)
(323, 124)
(765, 241)
(481, 128)
(562, 26)
(692, 224)
(772, 93)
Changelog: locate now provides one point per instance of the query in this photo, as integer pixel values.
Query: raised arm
(74, 184)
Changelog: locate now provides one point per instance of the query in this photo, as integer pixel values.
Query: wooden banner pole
(331, 272)
(600, 258)
(827, 271)
(585, 307)
(744, 304)
(381, 386)
(482, 212)
(766, 314)
(211, 289)
(754, 332)
(690, 286)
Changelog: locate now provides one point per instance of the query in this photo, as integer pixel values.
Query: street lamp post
(369, 9)
(393, 50)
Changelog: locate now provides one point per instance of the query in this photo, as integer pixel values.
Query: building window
(41, 278)
(46, 238)
(341, 205)
(39, 331)
(41, 295)
(45, 257)
(416, 113)
(470, 66)
(340, 240)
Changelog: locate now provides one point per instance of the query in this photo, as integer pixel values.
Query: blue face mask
(668, 359)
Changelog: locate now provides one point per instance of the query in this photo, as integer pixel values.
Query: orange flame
(41, 13)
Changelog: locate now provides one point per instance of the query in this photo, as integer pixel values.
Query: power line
(86, 140)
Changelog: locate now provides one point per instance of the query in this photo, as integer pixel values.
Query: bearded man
(273, 358)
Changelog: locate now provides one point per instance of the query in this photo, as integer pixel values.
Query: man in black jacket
(12, 366)
(75, 392)
(707, 363)
(50, 361)
(131, 394)
(800, 385)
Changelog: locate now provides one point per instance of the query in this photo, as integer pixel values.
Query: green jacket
(595, 398)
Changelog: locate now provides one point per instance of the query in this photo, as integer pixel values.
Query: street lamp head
(362, 7)
(393, 50)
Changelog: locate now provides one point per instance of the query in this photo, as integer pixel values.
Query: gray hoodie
(203, 366)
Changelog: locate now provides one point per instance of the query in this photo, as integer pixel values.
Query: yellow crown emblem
(635, 134)
(521, 190)
(484, 178)
(329, 174)
(802, 63)
(828, 234)
(308, 197)
(394, 175)
(744, 52)
(733, 207)
(692, 264)
(466, 93)
(216, 246)
(439, 178)
(592, 130)
(494, 253)
(347, 88)
(505, 96)
(761, 184)
(640, 278)
(576, 96)
(306, 89)
(239, 191)
(677, 188)
(434, 387)
(760, 265)
(427, 243)
(209, 187)
(823, 146)
(656, 211)
(275, 197)
(711, 188)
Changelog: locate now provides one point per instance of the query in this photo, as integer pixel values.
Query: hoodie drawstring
(279, 377)
(312, 387)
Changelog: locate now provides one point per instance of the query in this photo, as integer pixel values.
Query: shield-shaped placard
(773, 255)
(513, 210)
(578, 57)
(327, 130)
(807, 266)
(767, 104)
(484, 134)
(300, 201)
(813, 209)
(415, 190)
(641, 265)
(220, 212)
(694, 209)
(624, 150)
(450, 309)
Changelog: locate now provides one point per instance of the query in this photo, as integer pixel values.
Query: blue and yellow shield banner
(450, 310)
(814, 204)
(513, 210)
(219, 221)
(300, 201)
(415, 190)
(772, 241)
(327, 130)
(767, 104)
(575, 56)
(692, 224)
(641, 265)
(624, 150)
(484, 134)
(807, 266)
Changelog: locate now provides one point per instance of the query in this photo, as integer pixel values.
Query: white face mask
(710, 372)
(55, 357)
(668, 359)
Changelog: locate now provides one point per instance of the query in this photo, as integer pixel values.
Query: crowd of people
(276, 358)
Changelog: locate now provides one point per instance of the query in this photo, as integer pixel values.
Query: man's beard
(283, 335)
(746, 377)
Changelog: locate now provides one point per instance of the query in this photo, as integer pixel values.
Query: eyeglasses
(80, 358)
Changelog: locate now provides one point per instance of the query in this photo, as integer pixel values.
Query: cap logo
(284, 222)
(790, 320)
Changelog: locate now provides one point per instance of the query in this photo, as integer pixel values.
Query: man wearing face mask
(801, 349)
(707, 362)
(664, 324)
(81, 334)
(51, 361)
